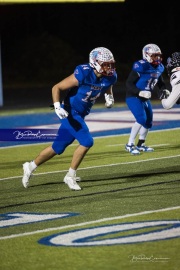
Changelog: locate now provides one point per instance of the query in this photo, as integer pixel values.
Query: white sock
(33, 165)
(143, 133)
(134, 131)
(72, 172)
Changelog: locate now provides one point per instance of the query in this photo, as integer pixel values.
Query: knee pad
(148, 125)
(144, 122)
(88, 142)
(58, 148)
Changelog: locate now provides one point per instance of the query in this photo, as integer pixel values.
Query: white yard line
(120, 144)
(99, 166)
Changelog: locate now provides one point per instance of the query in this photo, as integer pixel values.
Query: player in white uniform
(173, 69)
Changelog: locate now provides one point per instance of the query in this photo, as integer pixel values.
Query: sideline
(89, 222)
(101, 122)
(95, 138)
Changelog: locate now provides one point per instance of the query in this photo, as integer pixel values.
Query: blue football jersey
(82, 98)
(148, 74)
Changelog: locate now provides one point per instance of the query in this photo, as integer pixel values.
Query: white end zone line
(99, 166)
(89, 222)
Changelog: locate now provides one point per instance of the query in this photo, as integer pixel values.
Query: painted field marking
(121, 144)
(99, 166)
(89, 222)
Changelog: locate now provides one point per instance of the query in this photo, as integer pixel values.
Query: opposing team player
(173, 69)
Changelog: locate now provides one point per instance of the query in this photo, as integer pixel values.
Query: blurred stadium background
(41, 43)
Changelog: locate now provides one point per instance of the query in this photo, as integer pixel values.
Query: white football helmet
(152, 54)
(102, 60)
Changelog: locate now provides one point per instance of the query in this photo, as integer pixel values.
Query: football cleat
(132, 149)
(27, 174)
(71, 182)
(78, 179)
(144, 148)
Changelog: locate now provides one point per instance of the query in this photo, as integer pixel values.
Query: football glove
(109, 100)
(145, 94)
(61, 113)
(164, 94)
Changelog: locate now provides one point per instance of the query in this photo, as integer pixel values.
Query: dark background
(42, 43)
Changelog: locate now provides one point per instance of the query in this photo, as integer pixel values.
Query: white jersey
(175, 93)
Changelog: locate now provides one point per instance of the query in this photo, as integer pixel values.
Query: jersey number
(89, 98)
(151, 84)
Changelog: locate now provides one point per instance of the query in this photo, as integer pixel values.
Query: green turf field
(137, 194)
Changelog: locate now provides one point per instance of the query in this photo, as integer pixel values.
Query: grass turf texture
(114, 183)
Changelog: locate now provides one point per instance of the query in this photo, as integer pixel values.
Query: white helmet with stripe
(102, 60)
(152, 53)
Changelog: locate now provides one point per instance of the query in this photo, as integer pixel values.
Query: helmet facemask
(155, 58)
(102, 60)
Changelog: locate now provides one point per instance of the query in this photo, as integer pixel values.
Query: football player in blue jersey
(145, 74)
(84, 86)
